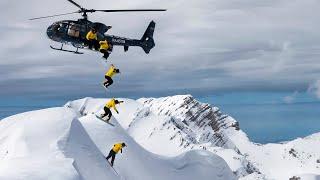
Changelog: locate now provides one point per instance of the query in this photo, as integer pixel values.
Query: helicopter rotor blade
(76, 4)
(125, 10)
(53, 15)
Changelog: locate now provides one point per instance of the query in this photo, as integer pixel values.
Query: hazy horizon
(266, 117)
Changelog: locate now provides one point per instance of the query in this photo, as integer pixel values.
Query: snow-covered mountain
(168, 138)
(60, 144)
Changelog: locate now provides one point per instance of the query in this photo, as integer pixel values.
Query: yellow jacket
(104, 45)
(111, 104)
(117, 147)
(111, 72)
(90, 35)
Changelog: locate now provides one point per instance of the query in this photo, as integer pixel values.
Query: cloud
(314, 88)
(201, 46)
(290, 98)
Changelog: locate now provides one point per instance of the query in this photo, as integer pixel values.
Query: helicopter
(74, 31)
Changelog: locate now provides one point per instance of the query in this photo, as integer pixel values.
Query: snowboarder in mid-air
(105, 48)
(110, 104)
(108, 76)
(116, 148)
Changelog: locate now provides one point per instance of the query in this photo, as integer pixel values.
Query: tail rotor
(147, 38)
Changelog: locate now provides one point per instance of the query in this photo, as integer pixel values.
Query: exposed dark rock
(293, 152)
(295, 178)
(190, 116)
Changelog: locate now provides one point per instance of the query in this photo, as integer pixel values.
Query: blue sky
(268, 117)
(202, 47)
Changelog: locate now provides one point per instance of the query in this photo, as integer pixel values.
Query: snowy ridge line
(199, 116)
(148, 121)
(207, 123)
(83, 107)
(62, 142)
(168, 138)
(76, 167)
(138, 163)
(191, 112)
(50, 147)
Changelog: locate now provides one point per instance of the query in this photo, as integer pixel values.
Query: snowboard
(121, 177)
(104, 120)
(112, 167)
(104, 86)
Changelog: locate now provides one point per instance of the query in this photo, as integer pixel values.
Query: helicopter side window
(83, 28)
(82, 31)
(74, 30)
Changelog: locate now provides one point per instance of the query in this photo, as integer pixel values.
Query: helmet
(124, 145)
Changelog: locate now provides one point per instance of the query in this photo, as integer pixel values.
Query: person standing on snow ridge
(116, 148)
(110, 104)
(108, 76)
(105, 48)
(92, 39)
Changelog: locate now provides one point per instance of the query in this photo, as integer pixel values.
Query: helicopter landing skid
(61, 49)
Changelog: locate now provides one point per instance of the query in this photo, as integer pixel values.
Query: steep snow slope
(173, 125)
(283, 161)
(190, 123)
(49, 144)
(169, 135)
(138, 164)
(183, 123)
(200, 122)
(185, 135)
(62, 144)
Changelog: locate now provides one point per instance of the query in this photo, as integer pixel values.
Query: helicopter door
(74, 30)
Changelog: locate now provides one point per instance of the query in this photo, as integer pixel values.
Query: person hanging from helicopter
(109, 74)
(105, 48)
(92, 39)
(110, 104)
(115, 149)
(81, 38)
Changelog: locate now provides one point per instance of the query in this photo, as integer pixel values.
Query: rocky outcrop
(195, 124)
(207, 122)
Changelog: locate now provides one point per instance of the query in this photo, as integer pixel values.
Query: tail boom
(146, 42)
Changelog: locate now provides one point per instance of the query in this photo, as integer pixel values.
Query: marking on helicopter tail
(119, 41)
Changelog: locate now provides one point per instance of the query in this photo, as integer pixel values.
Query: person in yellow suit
(110, 104)
(109, 74)
(105, 48)
(116, 148)
(92, 39)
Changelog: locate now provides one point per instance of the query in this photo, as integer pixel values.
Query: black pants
(93, 44)
(111, 155)
(105, 53)
(108, 81)
(107, 112)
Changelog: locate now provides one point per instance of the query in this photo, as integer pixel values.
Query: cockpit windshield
(59, 27)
